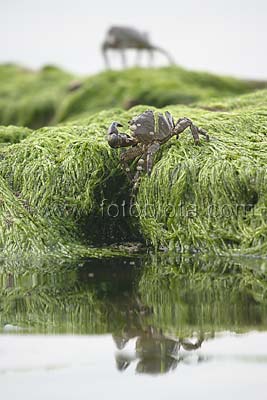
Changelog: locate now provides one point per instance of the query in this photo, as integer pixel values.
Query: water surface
(161, 326)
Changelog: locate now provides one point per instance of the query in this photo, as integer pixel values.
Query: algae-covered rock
(52, 184)
(31, 98)
(63, 186)
(211, 197)
(231, 103)
(13, 134)
(155, 87)
(40, 98)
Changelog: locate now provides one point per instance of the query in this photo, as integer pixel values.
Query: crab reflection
(155, 352)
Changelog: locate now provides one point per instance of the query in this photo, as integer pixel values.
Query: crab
(121, 38)
(150, 130)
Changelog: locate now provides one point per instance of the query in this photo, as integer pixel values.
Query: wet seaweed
(50, 186)
(31, 98)
(211, 197)
(155, 87)
(207, 198)
(47, 96)
(13, 134)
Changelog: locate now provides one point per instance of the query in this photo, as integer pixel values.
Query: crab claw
(113, 128)
(117, 139)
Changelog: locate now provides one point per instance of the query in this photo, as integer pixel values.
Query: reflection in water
(168, 305)
(155, 352)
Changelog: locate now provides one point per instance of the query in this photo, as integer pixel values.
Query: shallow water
(161, 326)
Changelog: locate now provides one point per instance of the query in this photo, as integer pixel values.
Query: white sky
(226, 36)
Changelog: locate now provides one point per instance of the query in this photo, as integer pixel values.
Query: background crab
(121, 38)
(150, 130)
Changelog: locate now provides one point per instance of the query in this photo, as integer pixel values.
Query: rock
(60, 186)
(49, 95)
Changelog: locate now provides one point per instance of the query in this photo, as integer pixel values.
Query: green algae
(13, 134)
(211, 197)
(58, 183)
(240, 102)
(51, 187)
(31, 98)
(45, 97)
(155, 87)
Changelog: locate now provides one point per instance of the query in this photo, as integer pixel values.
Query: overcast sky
(226, 36)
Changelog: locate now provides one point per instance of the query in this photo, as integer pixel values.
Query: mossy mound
(209, 198)
(155, 87)
(258, 99)
(52, 184)
(40, 98)
(31, 98)
(13, 134)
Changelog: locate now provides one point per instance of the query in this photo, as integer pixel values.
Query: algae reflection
(167, 305)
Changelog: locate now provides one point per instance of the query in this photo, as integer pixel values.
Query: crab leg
(123, 58)
(140, 168)
(204, 133)
(128, 155)
(152, 149)
(106, 58)
(151, 57)
(184, 123)
(138, 57)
